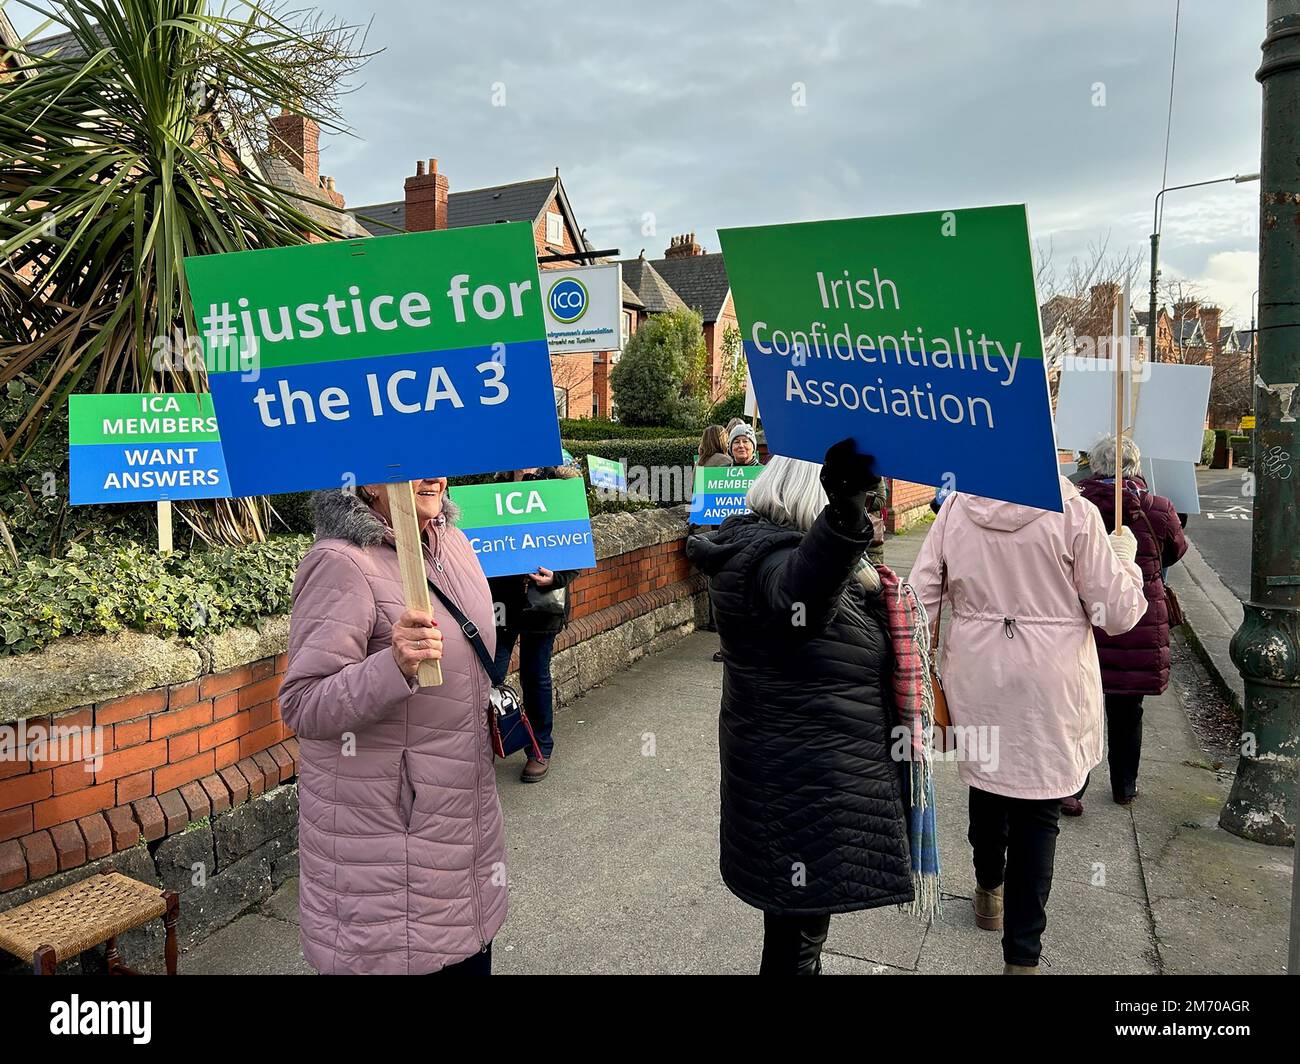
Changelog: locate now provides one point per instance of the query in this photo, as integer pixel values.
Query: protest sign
(720, 492)
(1176, 481)
(372, 361)
(1165, 407)
(584, 308)
(607, 474)
(917, 334)
(517, 526)
(144, 448)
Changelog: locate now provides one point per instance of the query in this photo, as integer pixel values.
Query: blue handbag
(508, 724)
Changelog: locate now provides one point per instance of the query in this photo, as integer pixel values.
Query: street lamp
(1239, 179)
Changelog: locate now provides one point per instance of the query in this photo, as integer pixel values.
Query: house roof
(65, 45)
(700, 281)
(308, 198)
(631, 299)
(656, 294)
(521, 201)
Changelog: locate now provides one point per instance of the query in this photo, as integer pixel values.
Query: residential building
(581, 380)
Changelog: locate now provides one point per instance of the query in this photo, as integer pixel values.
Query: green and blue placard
(720, 492)
(916, 334)
(607, 474)
(144, 448)
(372, 361)
(517, 526)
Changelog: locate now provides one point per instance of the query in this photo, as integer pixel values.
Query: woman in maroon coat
(1135, 664)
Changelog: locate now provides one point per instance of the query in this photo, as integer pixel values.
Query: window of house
(554, 228)
(627, 326)
(562, 402)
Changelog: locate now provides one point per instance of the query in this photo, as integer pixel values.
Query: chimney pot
(419, 168)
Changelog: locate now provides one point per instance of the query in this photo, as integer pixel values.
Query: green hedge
(1207, 447)
(599, 429)
(108, 584)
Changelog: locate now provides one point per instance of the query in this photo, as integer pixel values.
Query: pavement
(613, 860)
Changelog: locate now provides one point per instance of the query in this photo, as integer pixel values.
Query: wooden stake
(410, 556)
(1117, 352)
(164, 527)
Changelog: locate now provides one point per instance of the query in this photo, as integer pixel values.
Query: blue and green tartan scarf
(909, 632)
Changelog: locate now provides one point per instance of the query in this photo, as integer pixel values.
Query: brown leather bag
(942, 719)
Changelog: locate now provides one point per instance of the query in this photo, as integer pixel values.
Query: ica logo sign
(567, 300)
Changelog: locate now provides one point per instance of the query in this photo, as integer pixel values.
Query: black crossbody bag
(508, 724)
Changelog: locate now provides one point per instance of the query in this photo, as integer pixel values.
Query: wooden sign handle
(1120, 350)
(165, 544)
(410, 556)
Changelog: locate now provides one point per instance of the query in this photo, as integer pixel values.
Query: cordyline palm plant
(135, 144)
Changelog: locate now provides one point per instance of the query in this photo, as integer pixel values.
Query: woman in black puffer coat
(814, 808)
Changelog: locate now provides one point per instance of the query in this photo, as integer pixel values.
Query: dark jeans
(1014, 840)
(1123, 745)
(479, 964)
(792, 945)
(534, 678)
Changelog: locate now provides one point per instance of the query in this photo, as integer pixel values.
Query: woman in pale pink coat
(401, 847)
(1019, 667)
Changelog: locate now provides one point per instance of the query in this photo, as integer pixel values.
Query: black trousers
(1014, 844)
(479, 964)
(792, 945)
(1123, 744)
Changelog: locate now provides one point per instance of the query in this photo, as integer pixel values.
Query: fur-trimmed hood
(345, 515)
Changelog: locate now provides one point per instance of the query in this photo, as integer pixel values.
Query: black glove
(849, 477)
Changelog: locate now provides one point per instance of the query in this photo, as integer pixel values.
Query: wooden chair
(85, 915)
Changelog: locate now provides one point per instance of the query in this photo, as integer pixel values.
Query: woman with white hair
(1135, 664)
(814, 809)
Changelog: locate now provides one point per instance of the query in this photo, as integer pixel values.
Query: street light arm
(1239, 179)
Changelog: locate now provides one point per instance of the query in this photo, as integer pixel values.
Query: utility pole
(1266, 649)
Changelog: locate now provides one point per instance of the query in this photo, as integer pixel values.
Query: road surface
(1221, 531)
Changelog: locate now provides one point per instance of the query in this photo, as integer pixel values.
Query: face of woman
(742, 451)
(428, 499)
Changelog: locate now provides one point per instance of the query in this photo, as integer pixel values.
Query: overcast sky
(684, 116)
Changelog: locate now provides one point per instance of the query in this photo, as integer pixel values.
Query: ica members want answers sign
(144, 448)
(372, 361)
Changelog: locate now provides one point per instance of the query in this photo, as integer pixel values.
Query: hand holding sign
(416, 639)
(848, 477)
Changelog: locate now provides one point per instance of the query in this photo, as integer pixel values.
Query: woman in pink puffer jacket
(1021, 590)
(401, 845)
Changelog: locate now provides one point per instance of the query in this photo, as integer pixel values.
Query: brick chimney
(1186, 309)
(683, 247)
(297, 140)
(1210, 319)
(1103, 298)
(426, 199)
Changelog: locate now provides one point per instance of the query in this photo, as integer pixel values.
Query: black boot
(792, 945)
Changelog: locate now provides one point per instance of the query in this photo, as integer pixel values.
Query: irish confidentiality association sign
(916, 334)
(373, 361)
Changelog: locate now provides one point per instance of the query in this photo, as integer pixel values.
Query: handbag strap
(468, 627)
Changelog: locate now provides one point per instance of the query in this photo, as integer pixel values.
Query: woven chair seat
(80, 917)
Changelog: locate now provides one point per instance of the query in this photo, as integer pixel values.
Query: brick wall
(167, 757)
(907, 503)
(173, 755)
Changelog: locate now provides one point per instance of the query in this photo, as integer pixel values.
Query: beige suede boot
(988, 908)
(1019, 969)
